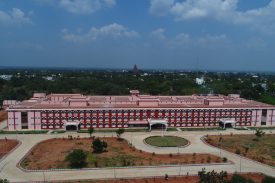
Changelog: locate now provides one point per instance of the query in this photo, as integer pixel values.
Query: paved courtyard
(9, 165)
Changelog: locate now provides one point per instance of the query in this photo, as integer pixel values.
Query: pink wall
(14, 120)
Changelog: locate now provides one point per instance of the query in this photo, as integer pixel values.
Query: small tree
(99, 146)
(212, 177)
(91, 131)
(77, 158)
(259, 133)
(119, 132)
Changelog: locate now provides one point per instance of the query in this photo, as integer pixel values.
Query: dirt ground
(3, 115)
(261, 149)
(51, 154)
(6, 146)
(186, 179)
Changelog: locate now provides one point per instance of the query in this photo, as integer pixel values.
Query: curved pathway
(9, 169)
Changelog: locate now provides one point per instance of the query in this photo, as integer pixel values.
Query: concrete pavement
(9, 169)
(3, 124)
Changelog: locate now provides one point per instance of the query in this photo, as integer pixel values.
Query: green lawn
(200, 129)
(114, 130)
(166, 141)
(262, 128)
(24, 132)
(172, 129)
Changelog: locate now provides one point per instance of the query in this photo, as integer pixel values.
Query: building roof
(134, 100)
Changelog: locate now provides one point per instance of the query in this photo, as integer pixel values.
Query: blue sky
(154, 34)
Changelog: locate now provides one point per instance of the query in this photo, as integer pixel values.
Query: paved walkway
(9, 169)
(3, 124)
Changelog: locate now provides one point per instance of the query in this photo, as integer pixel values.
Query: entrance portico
(226, 121)
(72, 125)
(159, 122)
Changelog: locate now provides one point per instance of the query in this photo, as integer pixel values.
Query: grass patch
(114, 130)
(201, 129)
(24, 132)
(172, 129)
(240, 128)
(262, 128)
(166, 141)
(58, 131)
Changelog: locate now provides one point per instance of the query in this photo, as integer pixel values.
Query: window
(24, 120)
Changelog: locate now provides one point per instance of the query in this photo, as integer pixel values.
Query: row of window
(149, 111)
(145, 117)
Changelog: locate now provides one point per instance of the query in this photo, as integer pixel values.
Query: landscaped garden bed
(166, 141)
(6, 146)
(261, 149)
(52, 153)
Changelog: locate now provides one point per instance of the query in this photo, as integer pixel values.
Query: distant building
(264, 86)
(59, 111)
(6, 77)
(135, 70)
(200, 81)
(49, 78)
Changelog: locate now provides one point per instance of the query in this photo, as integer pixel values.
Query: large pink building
(61, 111)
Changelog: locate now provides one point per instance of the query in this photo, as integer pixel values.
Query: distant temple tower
(135, 70)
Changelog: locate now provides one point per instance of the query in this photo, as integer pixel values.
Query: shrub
(119, 132)
(212, 177)
(268, 179)
(153, 153)
(99, 146)
(259, 133)
(170, 155)
(4, 181)
(91, 131)
(208, 159)
(239, 179)
(238, 151)
(224, 159)
(77, 158)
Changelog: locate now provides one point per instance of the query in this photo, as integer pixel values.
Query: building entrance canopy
(162, 122)
(72, 125)
(225, 121)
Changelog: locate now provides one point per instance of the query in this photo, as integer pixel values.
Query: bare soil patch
(6, 146)
(262, 150)
(3, 115)
(186, 179)
(52, 153)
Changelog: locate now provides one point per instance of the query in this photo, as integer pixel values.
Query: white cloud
(221, 10)
(160, 7)
(158, 34)
(14, 17)
(184, 40)
(80, 6)
(114, 31)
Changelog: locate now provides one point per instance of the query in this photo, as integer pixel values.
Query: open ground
(259, 149)
(52, 153)
(9, 165)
